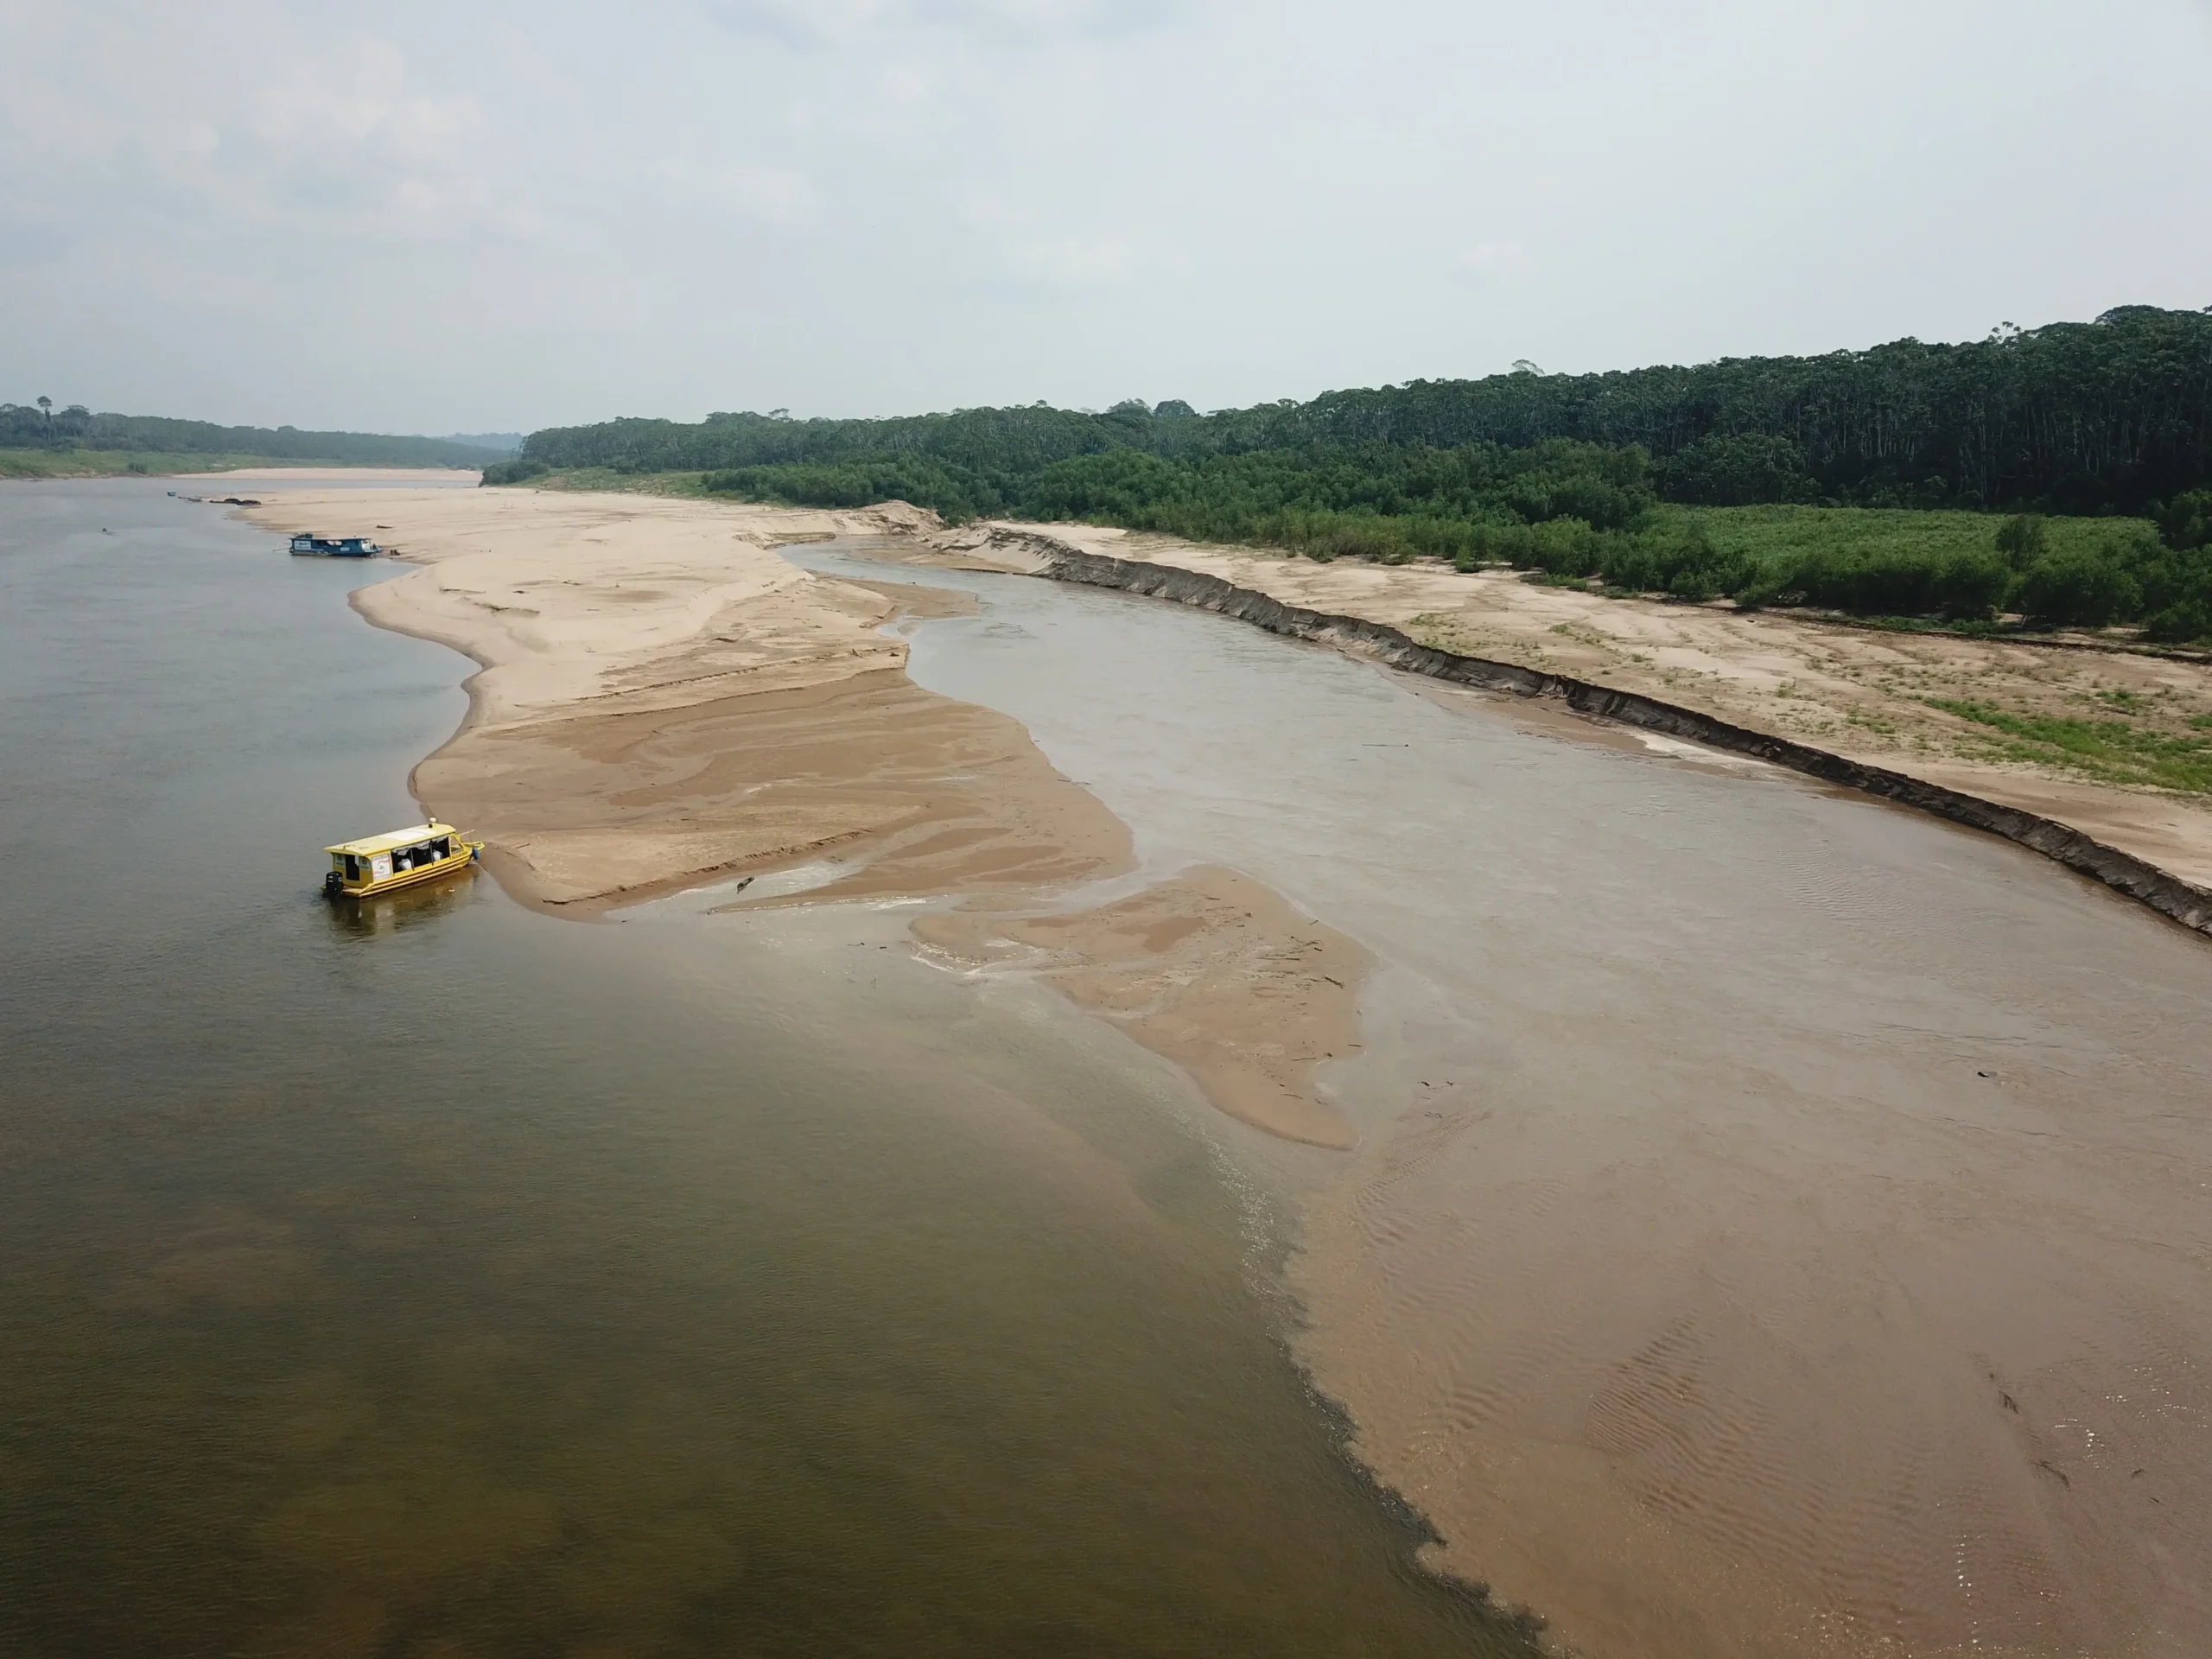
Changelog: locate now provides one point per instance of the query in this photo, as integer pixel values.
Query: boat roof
(370, 846)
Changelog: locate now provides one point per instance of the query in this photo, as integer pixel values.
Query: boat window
(353, 868)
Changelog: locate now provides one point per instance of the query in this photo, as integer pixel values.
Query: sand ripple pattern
(1877, 1326)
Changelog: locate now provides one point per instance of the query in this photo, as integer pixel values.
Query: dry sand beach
(1739, 1299)
(664, 701)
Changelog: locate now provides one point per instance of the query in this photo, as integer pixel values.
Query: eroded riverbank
(1773, 1219)
(1964, 715)
(434, 1278)
(1778, 1222)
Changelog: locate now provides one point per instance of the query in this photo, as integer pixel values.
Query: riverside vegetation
(2062, 475)
(39, 440)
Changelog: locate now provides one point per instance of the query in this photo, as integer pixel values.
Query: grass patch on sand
(2114, 751)
(1789, 534)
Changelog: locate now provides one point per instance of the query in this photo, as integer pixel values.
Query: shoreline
(1510, 1279)
(1711, 1124)
(2160, 890)
(661, 703)
(1881, 700)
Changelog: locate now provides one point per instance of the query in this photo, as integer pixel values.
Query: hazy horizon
(514, 218)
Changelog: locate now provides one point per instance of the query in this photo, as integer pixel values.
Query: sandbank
(1715, 1302)
(664, 701)
(1777, 1224)
(1866, 695)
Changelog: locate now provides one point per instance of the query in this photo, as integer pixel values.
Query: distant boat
(334, 546)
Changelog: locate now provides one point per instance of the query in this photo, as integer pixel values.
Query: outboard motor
(334, 884)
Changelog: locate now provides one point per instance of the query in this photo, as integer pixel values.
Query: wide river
(457, 1281)
(1780, 1222)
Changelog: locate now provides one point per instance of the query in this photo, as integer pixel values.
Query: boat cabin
(335, 547)
(377, 863)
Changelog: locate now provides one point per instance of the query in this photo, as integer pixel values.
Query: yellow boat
(380, 863)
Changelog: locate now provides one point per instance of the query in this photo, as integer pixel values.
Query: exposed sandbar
(1210, 969)
(666, 702)
(1872, 696)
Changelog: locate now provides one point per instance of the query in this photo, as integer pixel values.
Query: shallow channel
(1780, 1219)
(448, 1280)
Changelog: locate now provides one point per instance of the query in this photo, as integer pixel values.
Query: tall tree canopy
(33, 426)
(2113, 416)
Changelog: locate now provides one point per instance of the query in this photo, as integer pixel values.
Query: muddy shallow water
(1779, 1224)
(1782, 1222)
(448, 1280)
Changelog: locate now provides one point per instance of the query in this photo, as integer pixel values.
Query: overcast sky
(417, 217)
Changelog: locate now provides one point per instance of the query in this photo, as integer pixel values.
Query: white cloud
(1015, 21)
(770, 195)
(1088, 261)
(318, 137)
(1497, 259)
(431, 217)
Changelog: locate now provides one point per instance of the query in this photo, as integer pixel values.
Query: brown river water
(455, 1281)
(1779, 1224)
(1782, 1222)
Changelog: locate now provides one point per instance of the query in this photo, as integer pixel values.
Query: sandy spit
(1808, 1267)
(1210, 967)
(1858, 693)
(663, 702)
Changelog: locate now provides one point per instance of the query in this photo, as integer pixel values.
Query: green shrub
(2022, 539)
(957, 494)
(2182, 616)
(2185, 622)
(1738, 472)
(1887, 581)
(2186, 522)
(2078, 590)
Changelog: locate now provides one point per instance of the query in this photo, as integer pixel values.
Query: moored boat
(306, 546)
(378, 864)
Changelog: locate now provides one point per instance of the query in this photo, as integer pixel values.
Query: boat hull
(416, 877)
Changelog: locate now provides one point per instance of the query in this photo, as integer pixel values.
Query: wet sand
(1778, 1221)
(665, 703)
(1757, 1222)
(1210, 968)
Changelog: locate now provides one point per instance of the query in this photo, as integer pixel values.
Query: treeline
(1580, 513)
(1964, 568)
(39, 426)
(1699, 483)
(2113, 416)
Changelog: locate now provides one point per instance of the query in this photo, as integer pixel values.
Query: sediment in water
(664, 701)
(2162, 891)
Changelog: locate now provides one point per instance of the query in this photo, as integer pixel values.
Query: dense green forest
(2109, 415)
(2079, 454)
(39, 426)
